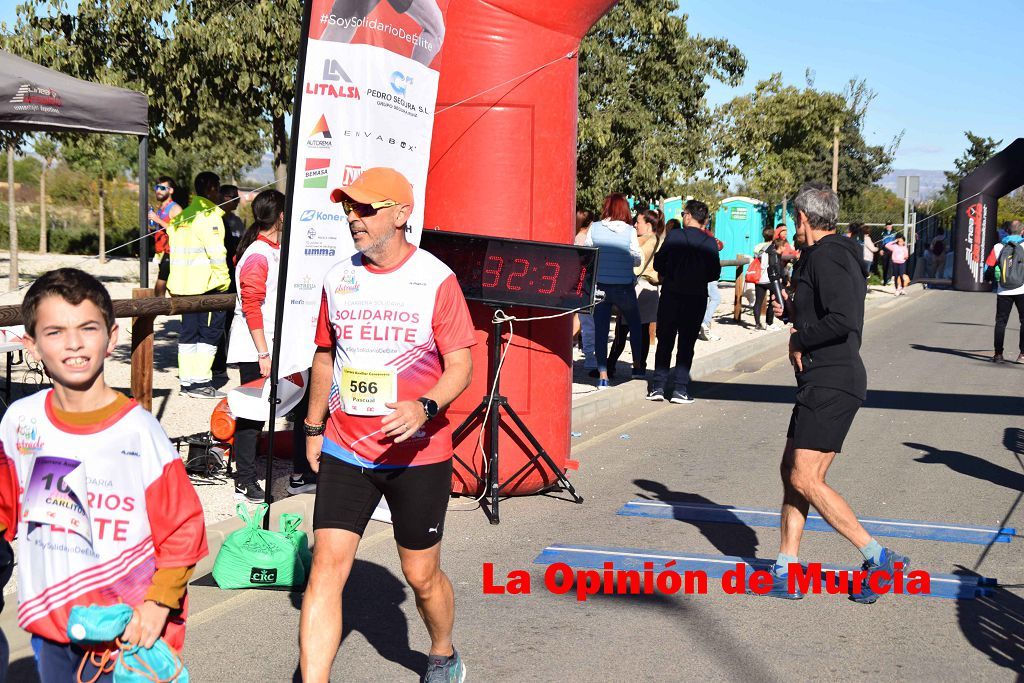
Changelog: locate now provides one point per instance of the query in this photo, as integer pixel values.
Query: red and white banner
(367, 99)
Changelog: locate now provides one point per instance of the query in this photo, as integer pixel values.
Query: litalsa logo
(320, 251)
(27, 439)
(320, 136)
(306, 285)
(262, 576)
(348, 284)
(400, 83)
(316, 215)
(333, 76)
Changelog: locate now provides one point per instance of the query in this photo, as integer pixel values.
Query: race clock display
(499, 271)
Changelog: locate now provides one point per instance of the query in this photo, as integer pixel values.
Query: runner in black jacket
(824, 348)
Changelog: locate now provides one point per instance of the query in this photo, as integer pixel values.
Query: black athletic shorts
(822, 418)
(346, 496)
(163, 271)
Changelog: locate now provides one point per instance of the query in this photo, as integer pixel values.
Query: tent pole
(143, 212)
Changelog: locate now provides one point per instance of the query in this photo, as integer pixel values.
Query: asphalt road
(941, 438)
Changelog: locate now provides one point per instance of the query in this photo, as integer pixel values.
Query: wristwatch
(429, 407)
(313, 430)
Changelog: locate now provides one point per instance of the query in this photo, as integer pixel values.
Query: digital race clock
(501, 271)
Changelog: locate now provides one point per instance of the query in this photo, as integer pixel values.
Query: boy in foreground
(104, 509)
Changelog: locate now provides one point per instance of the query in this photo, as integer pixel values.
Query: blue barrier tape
(896, 528)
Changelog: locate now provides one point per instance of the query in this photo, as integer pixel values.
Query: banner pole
(275, 362)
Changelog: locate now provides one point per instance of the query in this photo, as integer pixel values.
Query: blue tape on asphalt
(897, 528)
(942, 585)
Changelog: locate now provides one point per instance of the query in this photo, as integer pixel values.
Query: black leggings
(619, 345)
(760, 293)
(1004, 306)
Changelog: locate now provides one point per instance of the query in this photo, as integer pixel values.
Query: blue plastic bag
(96, 624)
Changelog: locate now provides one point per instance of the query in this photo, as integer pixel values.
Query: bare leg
(435, 598)
(794, 508)
(334, 551)
(807, 478)
(428, 15)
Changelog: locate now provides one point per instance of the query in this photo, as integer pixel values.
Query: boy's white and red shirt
(397, 322)
(144, 513)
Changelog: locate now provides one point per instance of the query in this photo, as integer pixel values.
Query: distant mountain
(931, 181)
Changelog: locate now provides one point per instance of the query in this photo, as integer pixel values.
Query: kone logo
(400, 82)
(263, 576)
(315, 215)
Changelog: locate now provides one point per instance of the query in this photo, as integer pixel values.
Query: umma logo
(263, 576)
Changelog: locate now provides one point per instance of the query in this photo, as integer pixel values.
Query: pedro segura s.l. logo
(334, 83)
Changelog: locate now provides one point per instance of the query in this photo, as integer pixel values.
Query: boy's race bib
(57, 495)
(365, 392)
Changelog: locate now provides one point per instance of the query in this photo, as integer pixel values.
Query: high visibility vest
(198, 257)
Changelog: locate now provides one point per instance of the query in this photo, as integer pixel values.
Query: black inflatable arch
(976, 220)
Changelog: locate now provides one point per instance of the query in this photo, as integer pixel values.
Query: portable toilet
(674, 208)
(738, 224)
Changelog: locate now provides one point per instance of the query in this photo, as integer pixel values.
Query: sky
(939, 67)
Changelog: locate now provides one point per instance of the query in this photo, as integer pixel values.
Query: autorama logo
(334, 78)
(400, 82)
(320, 136)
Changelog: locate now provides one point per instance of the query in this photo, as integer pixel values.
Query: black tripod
(491, 406)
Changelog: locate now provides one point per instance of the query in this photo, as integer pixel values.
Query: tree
(977, 153)
(11, 141)
(644, 125)
(780, 137)
(48, 151)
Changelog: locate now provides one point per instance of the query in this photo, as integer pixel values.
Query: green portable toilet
(738, 224)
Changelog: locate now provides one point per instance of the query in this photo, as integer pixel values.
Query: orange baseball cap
(377, 184)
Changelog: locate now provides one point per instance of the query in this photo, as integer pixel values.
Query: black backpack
(1011, 265)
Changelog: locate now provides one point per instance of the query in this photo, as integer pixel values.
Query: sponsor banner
(367, 99)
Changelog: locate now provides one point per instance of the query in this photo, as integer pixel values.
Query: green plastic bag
(254, 558)
(290, 523)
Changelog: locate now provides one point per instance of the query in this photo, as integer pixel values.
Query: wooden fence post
(142, 353)
(740, 279)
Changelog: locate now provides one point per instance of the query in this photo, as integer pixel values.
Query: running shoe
(445, 669)
(301, 483)
(251, 492)
(887, 567)
(780, 587)
(205, 392)
(655, 395)
(998, 358)
(681, 396)
(602, 384)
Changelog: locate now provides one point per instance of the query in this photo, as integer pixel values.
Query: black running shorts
(822, 418)
(163, 271)
(346, 496)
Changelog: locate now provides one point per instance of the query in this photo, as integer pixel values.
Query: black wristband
(313, 430)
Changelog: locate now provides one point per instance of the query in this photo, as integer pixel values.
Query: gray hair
(820, 204)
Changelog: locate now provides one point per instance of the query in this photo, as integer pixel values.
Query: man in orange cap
(393, 342)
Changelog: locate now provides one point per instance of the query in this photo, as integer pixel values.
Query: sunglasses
(161, 188)
(366, 210)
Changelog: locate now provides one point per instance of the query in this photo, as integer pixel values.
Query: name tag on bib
(365, 392)
(57, 495)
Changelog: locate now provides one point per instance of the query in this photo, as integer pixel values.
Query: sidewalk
(738, 341)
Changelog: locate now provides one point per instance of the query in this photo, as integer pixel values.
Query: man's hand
(265, 364)
(778, 308)
(146, 625)
(795, 355)
(314, 444)
(153, 216)
(405, 421)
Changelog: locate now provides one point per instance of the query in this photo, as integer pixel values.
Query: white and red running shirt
(142, 511)
(389, 330)
(256, 303)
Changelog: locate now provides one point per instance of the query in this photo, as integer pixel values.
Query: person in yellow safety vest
(199, 266)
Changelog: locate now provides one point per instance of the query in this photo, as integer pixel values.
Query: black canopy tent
(976, 221)
(34, 98)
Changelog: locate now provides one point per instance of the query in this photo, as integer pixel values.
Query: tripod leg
(541, 453)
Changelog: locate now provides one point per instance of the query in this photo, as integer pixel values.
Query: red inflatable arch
(504, 163)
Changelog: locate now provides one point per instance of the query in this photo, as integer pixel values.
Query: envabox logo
(316, 173)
